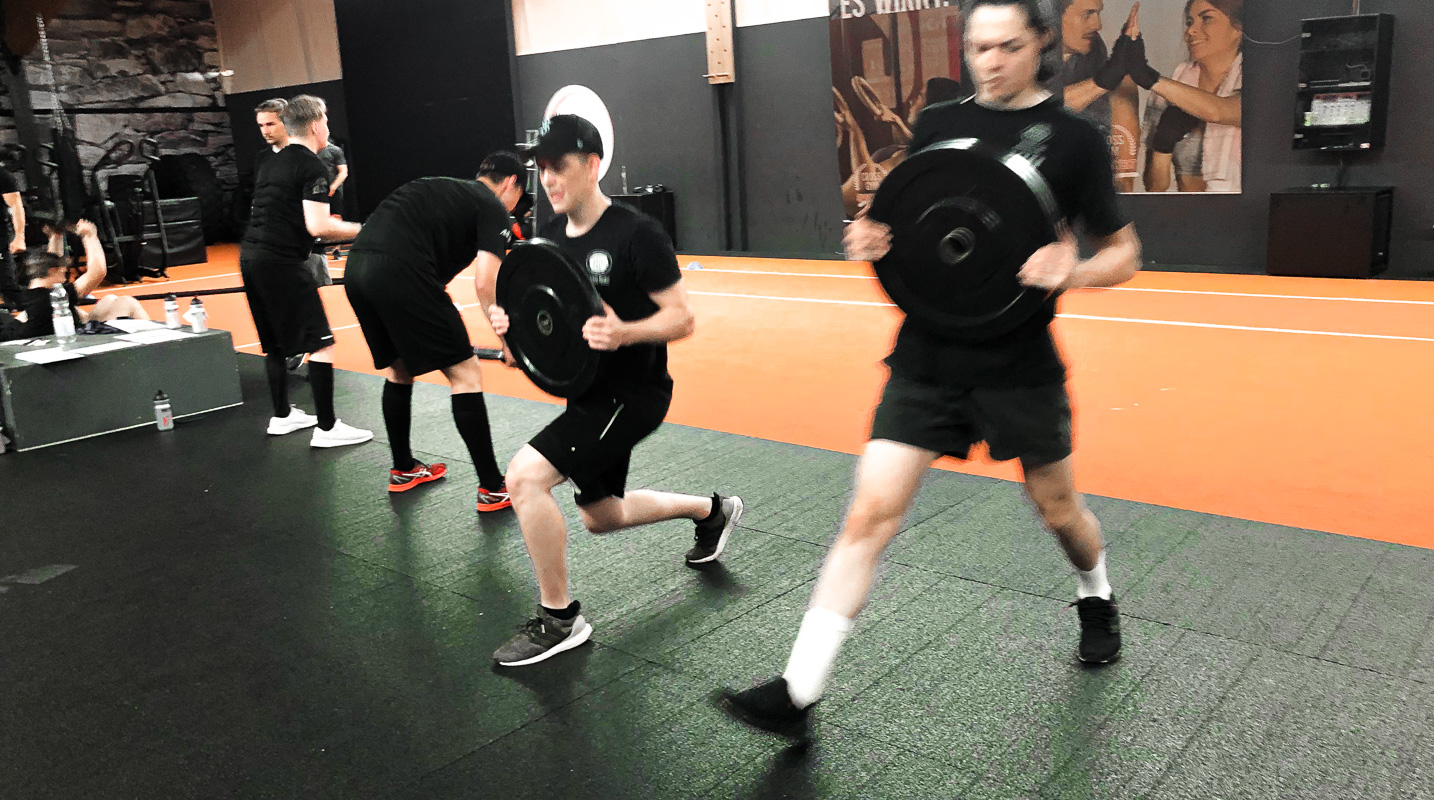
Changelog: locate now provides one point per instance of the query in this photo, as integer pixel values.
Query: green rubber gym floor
(246, 618)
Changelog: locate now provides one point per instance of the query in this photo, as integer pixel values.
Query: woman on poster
(1194, 116)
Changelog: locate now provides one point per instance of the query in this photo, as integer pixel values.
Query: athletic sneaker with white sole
(712, 534)
(296, 421)
(541, 638)
(339, 435)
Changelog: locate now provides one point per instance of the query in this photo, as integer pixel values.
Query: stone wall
(135, 54)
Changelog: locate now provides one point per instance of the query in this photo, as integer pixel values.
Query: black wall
(429, 89)
(665, 128)
(247, 140)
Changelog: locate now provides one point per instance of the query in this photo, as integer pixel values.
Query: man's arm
(1080, 95)
(17, 215)
(343, 175)
(95, 265)
(1116, 261)
(672, 321)
(323, 226)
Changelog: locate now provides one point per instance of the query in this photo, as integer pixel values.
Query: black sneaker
(541, 638)
(292, 363)
(712, 534)
(1099, 629)
(768, 707)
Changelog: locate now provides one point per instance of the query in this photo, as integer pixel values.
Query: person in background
(43, 269)
(9, 283)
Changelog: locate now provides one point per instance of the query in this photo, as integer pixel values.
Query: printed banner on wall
(891, 58)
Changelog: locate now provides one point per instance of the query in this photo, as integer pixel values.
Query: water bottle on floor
(60, 310)
(171, 312)
(163, 414)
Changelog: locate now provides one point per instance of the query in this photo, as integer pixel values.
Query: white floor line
(159, 286)
(1174, 323)
(1112, 289)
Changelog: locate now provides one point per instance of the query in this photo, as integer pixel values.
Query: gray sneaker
(541, 638)
(711, 537)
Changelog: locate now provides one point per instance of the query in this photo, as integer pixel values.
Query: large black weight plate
(548, 298)
(965, 217)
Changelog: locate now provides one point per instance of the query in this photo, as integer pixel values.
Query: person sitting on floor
(42, 270)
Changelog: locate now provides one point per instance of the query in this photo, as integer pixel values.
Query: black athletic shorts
(404, 316)
(285, 304)
(1029, 423)
(591, 442)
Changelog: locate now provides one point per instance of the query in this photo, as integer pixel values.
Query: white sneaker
(339, 435)
(296, 421)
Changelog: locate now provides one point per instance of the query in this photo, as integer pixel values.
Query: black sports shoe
(1099, 629)
(768, 707)
(294, 362)
(541, 638)
(711, 537)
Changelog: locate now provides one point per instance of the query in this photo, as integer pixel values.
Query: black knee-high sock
(278, 374)
(470, 414)
(398, 420)
(321, 380)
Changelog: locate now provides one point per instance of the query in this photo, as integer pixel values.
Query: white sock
(816, 648)
(1093, 583)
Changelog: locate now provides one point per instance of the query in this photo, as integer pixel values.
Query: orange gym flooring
(1294, 401)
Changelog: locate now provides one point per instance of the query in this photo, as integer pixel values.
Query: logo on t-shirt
(321, 186)
(600, 266)
(1033, 143)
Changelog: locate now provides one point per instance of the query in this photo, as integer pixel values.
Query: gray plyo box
(47, 404)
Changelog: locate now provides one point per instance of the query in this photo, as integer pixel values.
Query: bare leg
(531, 479)
(1052, 489)
(642, 507)
(887, 478)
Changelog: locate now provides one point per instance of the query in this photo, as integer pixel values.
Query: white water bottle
(163, 413)
(171, 312)
(198, 317)
(60, 310)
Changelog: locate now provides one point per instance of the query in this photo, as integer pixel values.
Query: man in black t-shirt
(291, 209)
(13, 231)
(416, 242)
(645, 306)
(943, 397)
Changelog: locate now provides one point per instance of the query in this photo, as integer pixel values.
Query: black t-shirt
(40, 320)
(276, 223)
(629, 258)
(1079, 67)
(1074, 159)
(437, 226)
(7, 225)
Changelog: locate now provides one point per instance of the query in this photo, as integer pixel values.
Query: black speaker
(1342, 100)
(1330, 233)
(661, 205)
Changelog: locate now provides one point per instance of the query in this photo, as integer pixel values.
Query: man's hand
(866, 239)
(498, 318)
(605, 332)
(86, 229)
(1051, 266)
(17, 245)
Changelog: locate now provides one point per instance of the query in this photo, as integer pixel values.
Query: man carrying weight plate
(631, 262)
(945, 396)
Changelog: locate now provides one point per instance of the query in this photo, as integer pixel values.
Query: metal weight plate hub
(964, 217)
(548, 298)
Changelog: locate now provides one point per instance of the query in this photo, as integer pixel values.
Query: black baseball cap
(563, 134)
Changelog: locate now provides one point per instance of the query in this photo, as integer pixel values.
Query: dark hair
(501, 164)
(38, 262)
(1234, 9)
(1041, 17)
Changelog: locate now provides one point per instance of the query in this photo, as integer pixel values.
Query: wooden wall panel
(274, 43)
